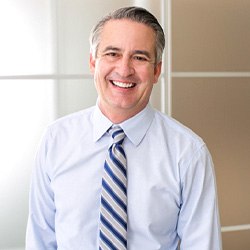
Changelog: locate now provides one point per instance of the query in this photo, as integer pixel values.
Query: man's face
(124, 68)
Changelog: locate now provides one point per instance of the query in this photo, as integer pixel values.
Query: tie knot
(118, 135)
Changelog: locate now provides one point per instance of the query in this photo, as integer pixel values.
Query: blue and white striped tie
(113, 215)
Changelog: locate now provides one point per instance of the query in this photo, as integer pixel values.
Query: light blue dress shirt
(171, 185)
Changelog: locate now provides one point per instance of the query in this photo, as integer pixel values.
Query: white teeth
(123, 85)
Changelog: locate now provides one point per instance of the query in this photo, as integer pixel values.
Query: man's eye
(111, 54)
(140, 58)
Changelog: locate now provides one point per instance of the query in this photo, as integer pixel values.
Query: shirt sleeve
(198, 223)
(40, 232)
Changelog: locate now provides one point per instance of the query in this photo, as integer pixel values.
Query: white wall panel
(25, 39)
(26, 107)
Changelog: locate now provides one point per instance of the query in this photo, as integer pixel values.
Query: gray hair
(136, 14)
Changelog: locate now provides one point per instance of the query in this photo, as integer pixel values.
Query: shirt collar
(101, 124)
(135, 128)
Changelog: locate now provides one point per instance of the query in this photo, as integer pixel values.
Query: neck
(117, 116)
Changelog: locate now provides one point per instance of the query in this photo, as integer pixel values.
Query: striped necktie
(113, 215)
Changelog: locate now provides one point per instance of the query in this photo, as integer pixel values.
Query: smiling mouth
(123, 84)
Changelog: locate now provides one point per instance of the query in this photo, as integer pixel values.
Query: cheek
(147, 76)
(100, 81)
(98, 74)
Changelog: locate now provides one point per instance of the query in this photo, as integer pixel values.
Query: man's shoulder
(176, 129)
(81, 118)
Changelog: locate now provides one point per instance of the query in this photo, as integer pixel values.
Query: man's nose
(125, 67)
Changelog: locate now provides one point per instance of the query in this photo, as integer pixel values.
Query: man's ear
(92, 63)
(157, 72)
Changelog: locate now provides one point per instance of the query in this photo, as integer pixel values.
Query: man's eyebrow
(108, 48)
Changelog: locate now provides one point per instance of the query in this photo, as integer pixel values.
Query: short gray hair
(136, 14)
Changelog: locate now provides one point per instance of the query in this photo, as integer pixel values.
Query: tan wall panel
(211, 35)
(218, 109)
(236, 240)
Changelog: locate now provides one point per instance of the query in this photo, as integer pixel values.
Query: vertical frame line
(164, 66)
(169, 58)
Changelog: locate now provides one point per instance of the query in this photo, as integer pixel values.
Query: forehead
(127, 34)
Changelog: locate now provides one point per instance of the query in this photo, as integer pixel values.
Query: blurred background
(205, 84)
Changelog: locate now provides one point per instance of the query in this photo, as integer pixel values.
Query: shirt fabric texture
(171, 184)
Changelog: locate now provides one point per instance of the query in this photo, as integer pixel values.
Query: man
(167, 192)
